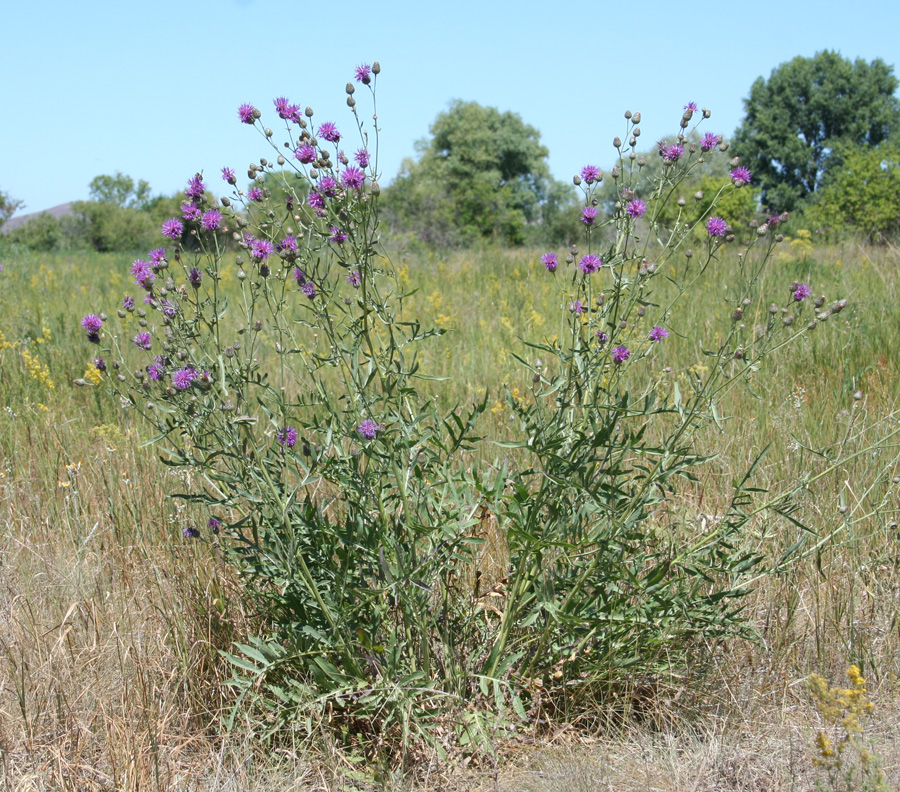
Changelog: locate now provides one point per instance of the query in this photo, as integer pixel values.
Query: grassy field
(111, 622)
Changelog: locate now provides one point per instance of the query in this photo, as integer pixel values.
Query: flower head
(658, 333)
(285, 109)
(195, 276)
(172, 228)
(261, 249)
(315, 200)
(183, 377)
(716, 226)
(214, 524)
(195, 187)
(590, 264)
(247, 113)
(143, 273)
(589, 214)
(590, 173)
(190, 532)
(305, 153)
(287, 436)
(255, 194)
(671, 154)
(740, 177)
(157, 257)
(189, 211)
(363, 73)
(328, 186)
(692, 106)
(329, 132)
(309, 289)
(362, 158)
(709, 141)
(353, 178)
(299, 276)
(602, 337)
(802, 292)
(211, 220)
(228, 175)
(550, 261)
(620, 354)
(143, 340)
(337, 235)
(289, 243)
(368, 429)
(100, 364)
(636, 208)
(354, 279)
(128, 303)
(92, 325)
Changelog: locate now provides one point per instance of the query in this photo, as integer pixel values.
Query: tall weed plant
(405, 590)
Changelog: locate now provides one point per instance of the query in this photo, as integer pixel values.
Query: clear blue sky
(151, 89)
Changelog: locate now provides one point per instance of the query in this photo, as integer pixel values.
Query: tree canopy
(805, 110)
(8, 206)
(482, 174)
(120, 190)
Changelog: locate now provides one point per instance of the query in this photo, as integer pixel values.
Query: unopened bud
(617, 142)
(762, 230)
(376, 68)
(737, 315)
(351, 102)
(636, 132)
(698, 196)
(576, 180)
(636, 118)
(681, 202)
(627, 114)
(723, 146)
(350, 89)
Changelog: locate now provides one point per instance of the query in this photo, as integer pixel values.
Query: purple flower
(169, 309)
(255, 194)
(195, 187)
(588, 215)
(247, 113)
(309, 289)
(363, 72)
(190, 532)
(228, 175)
(550, 261)
(590, 264)
(671, 154)
(353, 279)
(367, 429)
(143, 273)
(658, 333)
(330, 132)
(214, 524)
(261, 249)
(602, 337)
(289, 243)
(576, 307)
(211, 220)
(636, 208)
(189, 211)
(328, 186)
(353, 178)
(100, 364)
(362, 158)
(740, 177)
(773, 221)
(802, 292)
(710, 141)
(620, 354)
(305, 153)
(287, 436)
(284, 108)
(337, 235)
(157, 257)
(315, 200)
(183, 377)
(195, 277)
(128, 303)
(172, 228)
(692, 106)
(299, 276)
(716, 226)
(590, 173)
(143, 340)
(92, 324)
(156, 371)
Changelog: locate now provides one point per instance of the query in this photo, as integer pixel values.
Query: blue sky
(152, 89)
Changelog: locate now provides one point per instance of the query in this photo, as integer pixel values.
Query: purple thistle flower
(255, 194)
(305, 153)
(189, 211)
(590, 264)
(195, 277)
(671, 154)
(550, 261)
(590, 173)
(211, 220)
(658, 333)
(368, 429)
(143, 273)
(143, 340)
(128, 303)
(354, 279)
(636, 208)
(740, 177)
(289, 243)
(692, 106)
(195, 187)
(190, 532)
(157, 257)
(261, 249)
(363, 72)
(172, 228)
(328, 186)
(287, 436)
(92, 324)
(309, 289)
(773, 221)
(802, 292)
(329, 132)
(299, 276)
(284, 108)
(620, 354)
(716, 226)
(214, 524)
(315, 200)
(183, 377)
(247, 113)
(710, 141)
(588, 215)
(169, 309)
(337, 235)
(100, 364)
(362, 158)
(576, 307)
(602, 337)
(156, 371)
(228, 175)
(353, 178)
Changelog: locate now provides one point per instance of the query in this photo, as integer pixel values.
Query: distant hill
(57, 211)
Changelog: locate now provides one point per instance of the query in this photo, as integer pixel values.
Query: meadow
(112, 621)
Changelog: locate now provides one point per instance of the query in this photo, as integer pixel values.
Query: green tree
(8, 206)
(483, 174)
(120, 190)
(862, 192)
(805, 110)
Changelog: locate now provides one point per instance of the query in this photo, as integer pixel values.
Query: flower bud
(308, 112)
(615, 170)
(723, 146)
(737, 315)
(627, 114)
(636, 132)
(681, 202)
(576, 180)
(375, 188)
(617, 142)
(788, 320)
(281, 160)
(350, 89)
(632, 141)
(269, 132)
(376, 68)
(698, 196)
(688, 253)
(241, 275)
(351, 102)
(762, 230)
(706, 113)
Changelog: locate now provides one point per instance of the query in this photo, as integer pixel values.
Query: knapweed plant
(402, 590)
